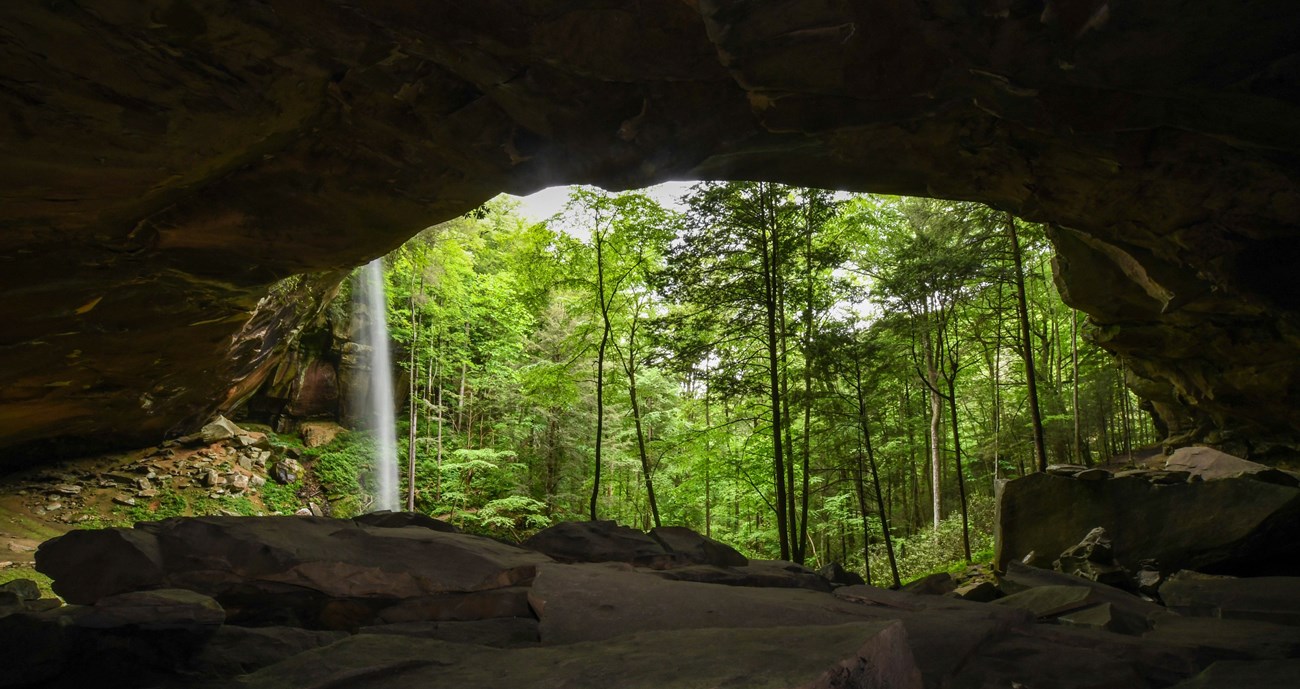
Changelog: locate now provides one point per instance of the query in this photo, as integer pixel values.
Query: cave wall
(184, 182)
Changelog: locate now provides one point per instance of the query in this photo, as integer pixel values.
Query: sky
(547, 202)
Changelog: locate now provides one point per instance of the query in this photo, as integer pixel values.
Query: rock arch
(184, 182)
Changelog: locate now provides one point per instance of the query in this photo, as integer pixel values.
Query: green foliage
(760, 300)
(344, 469)
(23, 572)
(281, 499)
(929, 551)
(175, 503)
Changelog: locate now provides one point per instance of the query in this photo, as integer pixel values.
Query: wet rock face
(169, 167)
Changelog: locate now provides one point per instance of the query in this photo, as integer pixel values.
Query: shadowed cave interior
(186, 184)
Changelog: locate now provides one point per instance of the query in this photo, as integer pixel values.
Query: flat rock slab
(599, 541)
(505, 632)
(757, 573)
(590, 602)
(1048, 601)
(1266, 599)
(1209, 464)
(578, 603)
(1108, 617)
(332, 558)
(1267, 674)
(1211, 638)
(862, 655)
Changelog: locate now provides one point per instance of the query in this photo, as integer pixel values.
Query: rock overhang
(185, 182)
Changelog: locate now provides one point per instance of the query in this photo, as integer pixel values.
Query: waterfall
(379, 408)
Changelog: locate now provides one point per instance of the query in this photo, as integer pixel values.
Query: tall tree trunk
(766, 239)
(413, 420)
(936, 440)
(708, 459)
(951, 378)
(1074, 368)
(906, 408)
(460, 400)
(1026, 348)
(997, 391)
(640, 446)
(1124, 410)
(797, 545)
(807, 368)
(600, 363)
(437, 489)
(865, 429)
(629, 367)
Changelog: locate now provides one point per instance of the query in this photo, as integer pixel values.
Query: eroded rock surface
(307, 571)
(226, 607)
(185, 183)
(1223, 522)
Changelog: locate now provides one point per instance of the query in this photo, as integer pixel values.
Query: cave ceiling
(184, 182)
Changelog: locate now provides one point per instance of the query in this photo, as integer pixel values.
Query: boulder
(1209, 464)
(599, 541)
(319, 433)
(286, 471)
(1093, 559)
(142, 639)
(1235, 525)
(22, 589)
(935, 584)
(837, 575)
(308, 571)
(215, 430)
(1267, 599)
(981, 591)
(396, 520)
(697, 549)
(1020, 577)
(91, 564)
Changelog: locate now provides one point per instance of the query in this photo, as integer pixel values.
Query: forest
(803, 374)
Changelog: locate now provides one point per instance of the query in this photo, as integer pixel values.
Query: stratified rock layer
(308, 571)
(184, 182)
(1207, 511)
(218, 613)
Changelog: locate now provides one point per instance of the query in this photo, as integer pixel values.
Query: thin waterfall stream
(380, 415)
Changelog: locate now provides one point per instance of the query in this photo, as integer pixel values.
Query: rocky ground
(400, 600)
(1118, 595)
(224, 469)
